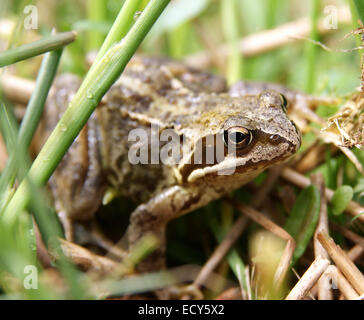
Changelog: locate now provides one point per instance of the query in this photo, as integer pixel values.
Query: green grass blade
(21, 235)
(359, 4)
(311, 48)
(302, 221)
(271, 8)
(30, 122)
(121, 26)
(232, 34)
(36, 48)
(96, 12)
(8, 127)
(97, 82)
(37, 101)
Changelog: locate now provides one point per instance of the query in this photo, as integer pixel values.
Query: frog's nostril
(274, 137)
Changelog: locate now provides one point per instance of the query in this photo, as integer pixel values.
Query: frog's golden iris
(238, 137)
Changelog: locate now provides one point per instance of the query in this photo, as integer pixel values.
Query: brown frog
(224, 141)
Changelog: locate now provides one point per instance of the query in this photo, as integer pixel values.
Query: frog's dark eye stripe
(285, 103)
(237, 137)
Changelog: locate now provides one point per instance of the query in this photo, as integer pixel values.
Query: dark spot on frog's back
(198, 81)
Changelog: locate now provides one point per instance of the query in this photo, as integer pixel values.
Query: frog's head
(247, 135)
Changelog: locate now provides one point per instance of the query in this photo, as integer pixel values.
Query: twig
(309, 278)
(221, 251)
(324, 287)
(267, 40)
(113, 250)
(349, 234)
(342, 261)
(352, 157)
(355, 252)
(16, 89)
(237, 229)
(322, 224)
(324, 292)
(301, 181)
(309, 158)
(269, 182)
(231, 294)
(272, 227)
(336, 277)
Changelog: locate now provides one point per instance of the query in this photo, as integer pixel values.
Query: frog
(155, 95)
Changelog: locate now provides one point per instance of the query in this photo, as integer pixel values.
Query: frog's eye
(237, 137)
(284, 104)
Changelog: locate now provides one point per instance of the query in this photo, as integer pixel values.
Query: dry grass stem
(342, 261)
(301, 181)
(324, 291)
(275, 229)
(337, 279)
(264, 190)
(352, 157)
(349, 234)
(16, 89)
(309, 278)
(355, 252)
(268, 40)
(310, 158)
(231, 294)
(323, 287)
(221, 251)
(323, 224)
(237, 229)
(113, 250)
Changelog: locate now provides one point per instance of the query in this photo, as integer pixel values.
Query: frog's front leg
(153, 216)
(77, 185)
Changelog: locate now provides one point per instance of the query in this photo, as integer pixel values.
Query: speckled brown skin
(195, 105)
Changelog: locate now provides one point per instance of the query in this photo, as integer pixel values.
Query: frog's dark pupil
(237, 137)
